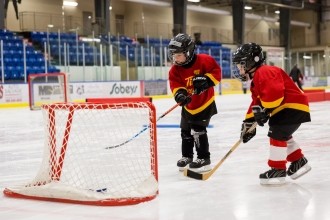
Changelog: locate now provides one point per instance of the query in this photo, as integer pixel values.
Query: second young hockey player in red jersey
(195, 74)
(275, 98)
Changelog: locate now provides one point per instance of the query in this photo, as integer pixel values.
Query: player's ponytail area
(232, 192)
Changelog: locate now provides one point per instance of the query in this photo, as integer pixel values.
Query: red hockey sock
(277, 154)
(294, 152)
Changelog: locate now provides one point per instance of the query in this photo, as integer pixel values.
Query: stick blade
(107, 148)
(192, 174)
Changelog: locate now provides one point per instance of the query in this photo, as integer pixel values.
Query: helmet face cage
(237, 73)
(181, 43)
(247, 57)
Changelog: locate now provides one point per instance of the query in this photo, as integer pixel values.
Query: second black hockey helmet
(248, 55)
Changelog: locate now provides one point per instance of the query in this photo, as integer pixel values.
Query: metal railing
(36, 21)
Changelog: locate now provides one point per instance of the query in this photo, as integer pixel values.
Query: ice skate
(183, 162)
(273, 177)
(200, 165)
(298, 168)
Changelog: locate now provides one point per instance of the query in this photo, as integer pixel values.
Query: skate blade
(201, 169)
(302, 171)
(273, 181)
(181, 169)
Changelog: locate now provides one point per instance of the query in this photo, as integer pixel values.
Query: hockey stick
(206, 175)
(147, 127)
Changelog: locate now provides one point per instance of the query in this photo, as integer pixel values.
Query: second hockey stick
(206, 175)
(147, 127)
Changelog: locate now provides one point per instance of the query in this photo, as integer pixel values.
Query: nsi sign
(49, 90)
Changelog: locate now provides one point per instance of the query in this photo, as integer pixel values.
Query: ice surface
(232, 192)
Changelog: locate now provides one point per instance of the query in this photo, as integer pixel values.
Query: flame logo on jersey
(189, 81)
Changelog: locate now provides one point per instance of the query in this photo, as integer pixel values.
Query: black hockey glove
(260, 115)
(181, 97)
(201, 83)
(246, 136)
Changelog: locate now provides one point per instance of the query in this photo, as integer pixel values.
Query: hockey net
(47, 88)
(79, 164)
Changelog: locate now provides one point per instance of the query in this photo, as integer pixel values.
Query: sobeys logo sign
(121, 89)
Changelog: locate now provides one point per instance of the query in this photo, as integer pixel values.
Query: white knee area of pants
(292, 146)
(277, 153)
(197, 133)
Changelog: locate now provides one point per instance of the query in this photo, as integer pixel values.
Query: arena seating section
(78, 52)
(149, 51)
(13, 57)
(144, 52)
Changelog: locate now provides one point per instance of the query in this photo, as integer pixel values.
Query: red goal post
(79, 168)
(45, 88)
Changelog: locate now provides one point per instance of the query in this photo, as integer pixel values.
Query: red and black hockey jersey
(273, 89)
(180, 77)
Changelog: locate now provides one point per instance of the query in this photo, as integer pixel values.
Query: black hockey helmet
(249, 56)
(181, 43)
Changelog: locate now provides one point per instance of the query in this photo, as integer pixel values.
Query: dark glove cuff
(182, 91)
(209, 81)
(249, 120)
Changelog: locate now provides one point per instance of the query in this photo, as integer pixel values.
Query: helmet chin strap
(247, 75)
(249, 72)
(250, 75)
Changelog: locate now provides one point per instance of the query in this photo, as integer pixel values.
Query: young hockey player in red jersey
(276, 98)
(192, 78)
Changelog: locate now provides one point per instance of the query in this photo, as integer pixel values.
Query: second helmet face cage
(246, 57)
(239, 71)
(181, 43)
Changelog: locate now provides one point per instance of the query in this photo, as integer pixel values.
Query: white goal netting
(102, 154)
